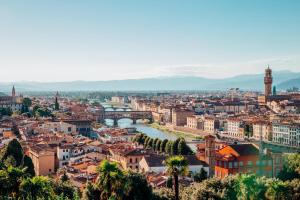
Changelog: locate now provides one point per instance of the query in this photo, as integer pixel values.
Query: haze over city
(51, 41)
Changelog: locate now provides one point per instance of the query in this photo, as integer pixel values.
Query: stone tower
(210, 153)
(268, 82)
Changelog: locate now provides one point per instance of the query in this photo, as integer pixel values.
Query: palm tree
(176, 166)
(38, 187)
(15, 176)
(277, 190)
(110, 180)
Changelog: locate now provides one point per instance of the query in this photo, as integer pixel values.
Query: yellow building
(43, 160)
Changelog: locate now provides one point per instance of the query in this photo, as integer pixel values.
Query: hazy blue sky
(117, 39)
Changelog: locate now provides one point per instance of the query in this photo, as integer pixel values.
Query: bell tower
(268, 80)
(210, 153)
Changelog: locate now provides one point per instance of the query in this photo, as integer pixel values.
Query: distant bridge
(281, 148)
(133, 115)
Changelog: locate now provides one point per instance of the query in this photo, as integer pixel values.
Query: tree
(29, 166)
(249, 187)
(277, 190)
(91, 192)
(137, 187)
(64, 189)
(162, 147)
(5, 111)
(150, 143)
(64, 177)
(200, 176)
(26, 104)
(38, 187)
(157, 145)
(176, 166)
(110, 180)
(4, 183)
(15, 150)
(146, 141)
(248, 129)
(169, 147)
(291, 167)
(183, 148)
(274, 90)
(15, 177)
(175, 147)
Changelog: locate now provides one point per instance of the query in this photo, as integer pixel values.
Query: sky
(66, 40)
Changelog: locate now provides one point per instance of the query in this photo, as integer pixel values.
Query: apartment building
(286, 133)
(262, 130)
(195, 122)
(234, 128)
(179, 116)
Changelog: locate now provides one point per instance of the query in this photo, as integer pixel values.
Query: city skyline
(53, 41)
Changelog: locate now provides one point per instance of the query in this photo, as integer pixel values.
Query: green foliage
(157, 145)
(110, 180)
(64, 177)
(291, 167)
(178, 147)
(64, 189)
(248, 130)
(26, 104)
(150, 143)
(15, 150)
(137, 188)
(162, 147)
(176, 165)
(91, 192)
(5, 111)
(174, 148)
(29, 165)
(200, 176)
(183, 148)
(38, 187)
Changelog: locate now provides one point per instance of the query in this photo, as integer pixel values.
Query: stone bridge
(133, 115)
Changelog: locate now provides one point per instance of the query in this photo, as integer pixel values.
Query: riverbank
(186, 135)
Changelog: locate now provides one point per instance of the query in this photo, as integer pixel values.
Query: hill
(290, 83)
(245, 82)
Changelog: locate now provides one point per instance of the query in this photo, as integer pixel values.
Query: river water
(140, 126)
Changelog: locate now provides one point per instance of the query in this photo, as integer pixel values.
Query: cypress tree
(29, 165)
(162, 147)
(15, 150)
(157, 145)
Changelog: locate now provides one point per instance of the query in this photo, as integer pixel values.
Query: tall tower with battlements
(268, 82)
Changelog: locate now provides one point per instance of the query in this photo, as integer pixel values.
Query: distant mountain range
(282, 79)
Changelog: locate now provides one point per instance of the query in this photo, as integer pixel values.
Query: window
(241, 164)
(257, 163)
(130, 160)
(278, 160)
(235, 164)
(49, 170)
(270, 162)
(230, 165)
(249, 163)
(136, 160)
(69, 129)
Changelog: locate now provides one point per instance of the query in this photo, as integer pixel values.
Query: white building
(286, 134)
(155, 163)
(233, 128)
